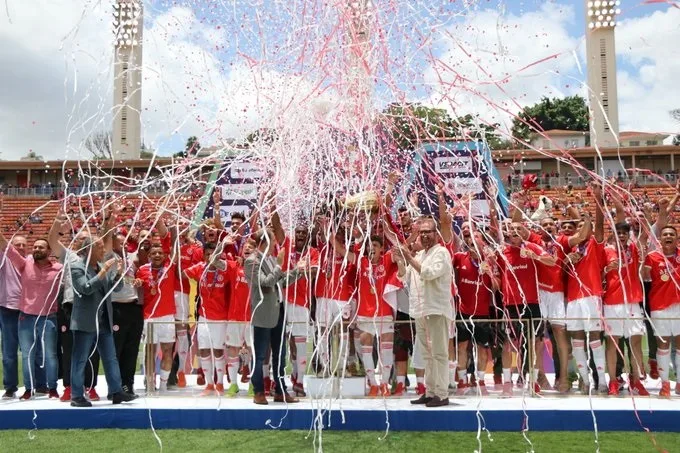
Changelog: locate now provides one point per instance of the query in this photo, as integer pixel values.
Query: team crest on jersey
(220, 277)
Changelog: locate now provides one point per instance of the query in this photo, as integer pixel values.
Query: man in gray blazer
(91, 319)
(265, 277)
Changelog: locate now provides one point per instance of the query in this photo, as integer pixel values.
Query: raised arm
(53, 236)
(279, 233)
(445, 220)
(584, 233)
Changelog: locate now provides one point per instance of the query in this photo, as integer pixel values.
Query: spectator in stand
(40, 280)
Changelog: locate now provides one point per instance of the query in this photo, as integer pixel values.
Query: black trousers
(128, 322)
(66, 340)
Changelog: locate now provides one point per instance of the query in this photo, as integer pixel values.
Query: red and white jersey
(474, 286)
(585, 278)
(519, 274)
(665, 274)
(239, 293)
(623, 285)
(336, 276)
(190, 254)
(158, 287)
(212, 286)
(371, 283)
(551, 278)
(299, 292)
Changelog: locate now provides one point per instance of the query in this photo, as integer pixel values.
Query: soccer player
(518, 264)
(334, 291)
(476, 279)
(622, 312)
(584, 264)
(238, 319)
(156, 280)
(375, 317)
(212, 281)
(297, 296)
(663, 268)
(190, 254)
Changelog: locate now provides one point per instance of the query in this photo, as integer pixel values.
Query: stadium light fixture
(126, 15)
(602, 13)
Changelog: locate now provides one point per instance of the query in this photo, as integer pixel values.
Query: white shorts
(552, 307)
(211, 334)
(181, 306)
(585, 314)
(163, 329)
(239, 333)
(297, 320)
(330, 311)
(664, 327)
(632, 324)
(375, 326)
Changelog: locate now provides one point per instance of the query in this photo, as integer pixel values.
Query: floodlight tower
(360, 60)
(601, 64)
(127, 83)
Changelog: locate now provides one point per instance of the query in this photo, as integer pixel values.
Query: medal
(665, 277)
(677, 259)
(153, 291)
(523, 253)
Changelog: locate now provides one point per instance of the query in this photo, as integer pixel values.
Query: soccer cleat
(473, 380)
(613, 388)
(27, 395)
(373, 391)
(181, 379)
(245, 374)
(399, 390)
(209, 390)
(299, 390)
(482, 388)
(92, 394)
(232, 391)
(665, 391)
(385, 390)
(53, 393)
(462, 388)
(201, 377)
(293, 379)
(537, 388)
(497, 382)
(507, 390)
(66, 397)
(637, 389)
(653, 369)
(219, 388)
(251, 390)
(420, 388)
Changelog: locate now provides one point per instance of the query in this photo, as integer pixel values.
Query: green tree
(190, 149)
(411, 123)
(570, 113)
(470, 127)
(263, 136)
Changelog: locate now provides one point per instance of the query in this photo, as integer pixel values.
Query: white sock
(164, 379)
(462, 375)
(599, 359)
(182, 348)
(323, 351)
(344, 349)
(219, 366)
(387, 359)
(663, 360)
(232, 369)
(367, 359)
(301, 359)
(208, 371)
(507, 375)
(452, 372)
(579, 353)
(401, 380)
(480, 376)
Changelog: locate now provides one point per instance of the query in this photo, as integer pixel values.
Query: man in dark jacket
(91, 320)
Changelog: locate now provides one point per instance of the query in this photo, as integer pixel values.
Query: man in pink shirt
(40, 279)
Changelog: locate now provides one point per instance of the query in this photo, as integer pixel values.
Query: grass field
(354, 442)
